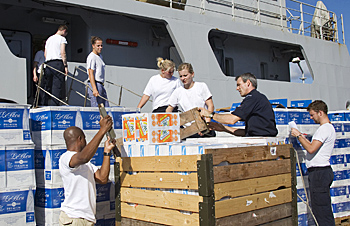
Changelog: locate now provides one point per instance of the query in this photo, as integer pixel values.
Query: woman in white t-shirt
(160, 86)
(192, 94)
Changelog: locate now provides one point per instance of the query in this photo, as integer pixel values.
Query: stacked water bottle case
(47, 126)
(17, 178)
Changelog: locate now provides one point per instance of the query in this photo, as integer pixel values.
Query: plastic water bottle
(79, 120)
(48, 167)
(30, 206)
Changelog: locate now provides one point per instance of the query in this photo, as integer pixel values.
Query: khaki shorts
(67, 221)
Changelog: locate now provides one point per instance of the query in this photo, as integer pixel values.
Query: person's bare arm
(101, 175)
(143, 101)
(310, 147)
(64, 57)
(93, 82)
(35, 77)
(210, 104)
(90, 149)
(169, 109)
(222, 118)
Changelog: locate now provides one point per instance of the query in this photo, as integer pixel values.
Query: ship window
(263, 70)
(229, 66)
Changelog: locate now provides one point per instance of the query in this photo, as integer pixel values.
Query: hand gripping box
(14, 124)
(48, 123)
(151, 128)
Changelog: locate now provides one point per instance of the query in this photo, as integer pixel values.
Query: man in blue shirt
(255, 110)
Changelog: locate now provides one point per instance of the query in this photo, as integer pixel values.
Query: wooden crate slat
(248, 154)
(160, 180)
(250, 170)
(133, 222)
(159, 215)
(251, 186)
(161, 199)
(159, 163)
(253, 202)
(257, 217)
(282, 222)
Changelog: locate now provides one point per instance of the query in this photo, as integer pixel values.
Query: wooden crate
(342, 221)
(253, 185)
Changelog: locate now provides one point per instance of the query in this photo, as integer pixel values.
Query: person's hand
(109, 144)
(35, 78)
(216, 126)
(106, 123)
(66, 70)
(295, 132)
(95, 93)
(204, 112)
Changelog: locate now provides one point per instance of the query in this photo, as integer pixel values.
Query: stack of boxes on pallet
(339, 159)
(47, 126)
(17, 178)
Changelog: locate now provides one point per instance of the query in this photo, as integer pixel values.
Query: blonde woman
(192, 94)
(161, 86)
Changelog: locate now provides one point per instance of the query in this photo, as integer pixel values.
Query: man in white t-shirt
(96, 71)
(55, 55)
(319, 151)
(79, 175)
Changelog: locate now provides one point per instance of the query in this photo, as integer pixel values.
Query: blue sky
(338, 7)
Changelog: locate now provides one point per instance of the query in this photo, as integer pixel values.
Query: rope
(304, 187)
(80, 82)
(116, 85)
(51, 95)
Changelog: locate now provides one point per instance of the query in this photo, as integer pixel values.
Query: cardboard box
(151, 128)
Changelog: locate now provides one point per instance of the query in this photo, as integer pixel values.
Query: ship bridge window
(266, 59)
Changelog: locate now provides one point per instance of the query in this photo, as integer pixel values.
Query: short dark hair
(62, 27)
(248, 76)
(318, 105)
(94, 39)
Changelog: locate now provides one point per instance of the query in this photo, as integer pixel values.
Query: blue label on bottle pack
(305, 118)
(337, 159)
(117, 119)
(40, 156)
(294, 116)
(49, 198)
(19, 159)
(102, 192)
(281, 117)
(13, 202)
(61, 120)
(2, 160)
(337, 116)
(47, 175)
(29, 217)
(11, 118)
(300, 103)
(40, 121)
(338, 191)
(91, 120)
(97, 159)
(26, 135)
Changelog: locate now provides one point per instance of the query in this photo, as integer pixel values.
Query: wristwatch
(107, 154)
(211, 115)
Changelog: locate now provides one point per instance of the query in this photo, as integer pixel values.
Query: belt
(54, 60)
(311, 169)
(99, 82)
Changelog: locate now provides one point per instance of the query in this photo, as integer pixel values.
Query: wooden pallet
(343, 221)
(257, 187)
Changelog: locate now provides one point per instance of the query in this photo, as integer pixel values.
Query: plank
(257, 217)
(159, 163)
(158, 215)
(249, 154)
(250, 170)
(252, 202)
(133, 222)
(161, 199)
(282, 222)
(342, 220)
(251, 186)
(160, 180)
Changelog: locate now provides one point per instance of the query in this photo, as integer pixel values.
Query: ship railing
(299, 20)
